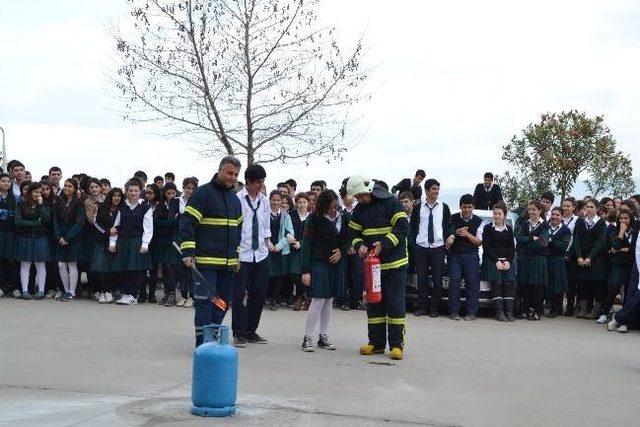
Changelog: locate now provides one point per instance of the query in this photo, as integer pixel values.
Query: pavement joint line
(94, 393)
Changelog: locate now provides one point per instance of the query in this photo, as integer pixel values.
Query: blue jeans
(251, 281)
(220, 283)
(467, 266)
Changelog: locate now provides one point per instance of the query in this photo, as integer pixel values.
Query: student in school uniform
(102, 259)
(498, 267)
(463, 259)
(17, 171)
(430, 228)
(105, 186)
(68, 227)
(324, 243)
(547, 198)
(298, 220)
(487, 193)
(630, 311)
(411, 185)
(92, 200)
(184, 278)
(281, 236)
(559, 240)
(32, 216)
(53, 284)
(352, 264)
(134, 223)
(533, 275)
(157, 247)
(287, 206)
(590, 245)
(7, 235)
(569, 219)
(163, 254)
(620, 239)
(54, 177)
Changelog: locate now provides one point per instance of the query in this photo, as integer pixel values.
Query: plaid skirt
(532, 270)
(128, 256)
(33, 249)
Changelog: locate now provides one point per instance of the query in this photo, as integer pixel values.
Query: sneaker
(455, 316)
(123, 300)
(101, 299)
(602, 319)
(623, 329)
(396, 353)
(108, 298)
(170, 301)
(26, 295)
(1, 293)
(96, 296)
(58, 295)
(273, 306)
(254, 338)
(67, 296)
(188, 303)
(131, 300)
(324, 343)
(533, 315)
(51, 294)
(307, 344)
(469, 317)
(239, 340)
(162, 300)
(180, 302)
(39, 295)
(613, 325)
(17, 294)
(369, 349)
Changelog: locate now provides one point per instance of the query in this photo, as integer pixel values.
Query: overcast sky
(456, 80)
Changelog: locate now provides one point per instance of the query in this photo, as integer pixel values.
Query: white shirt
(16, 190)
(423, 228)
(183, 203)
(147, 225)
(571, 222)
(247, 254)
(591, 222)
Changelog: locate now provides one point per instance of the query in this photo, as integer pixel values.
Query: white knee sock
(73, 277)
(41, 277)
(313, 316)
(64, 275)
(25, 267)
(325, 316)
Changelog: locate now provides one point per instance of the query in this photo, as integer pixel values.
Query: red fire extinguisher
(372, 279)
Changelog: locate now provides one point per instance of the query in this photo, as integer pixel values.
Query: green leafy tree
(553, 153)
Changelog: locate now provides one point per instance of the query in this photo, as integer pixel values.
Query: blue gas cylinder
(214, 386)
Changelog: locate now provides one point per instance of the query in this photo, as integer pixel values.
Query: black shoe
(569, 312)
(170, 301)
(152, 300)
(273, 306)
(142, 298)
(418, 312)
(239, 340)
(254, 338)
(434, 314)
(552, 314)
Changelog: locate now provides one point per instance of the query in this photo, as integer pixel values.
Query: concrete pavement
(81, 363)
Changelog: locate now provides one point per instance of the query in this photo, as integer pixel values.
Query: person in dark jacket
(163, 254)
(68, 227)
(487, 193)
(533, 274)
(7, 234)
(412, 185)
(325, 242)
(498, 266)
(101, 258)
(298, 219)
(590, 245)
(559, 240)
(379, 226)
(621, 259)
(210, 234)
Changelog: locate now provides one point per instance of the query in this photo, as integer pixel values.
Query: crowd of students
(573, 260)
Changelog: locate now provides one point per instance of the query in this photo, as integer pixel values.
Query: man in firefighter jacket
(210, 236)
(380, 225)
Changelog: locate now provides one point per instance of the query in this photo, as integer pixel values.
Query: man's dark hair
(381, 183)
(292, 182)
(170, 175)
(190, 181)
(158, 178)
(44, 177)
(324, 200)
(466, 199)
(14, 164)
(421, 173)
(3, 175)
(141, 174)
(488, 175)
(54, 169)
(254, 173)
(280, 185)
(548, 195)
(408, 195)
(319, 183)
(502, 206)
(430, 182)
(104, 181)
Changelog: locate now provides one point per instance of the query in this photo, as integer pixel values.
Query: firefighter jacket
(383, 220)
(211, 225)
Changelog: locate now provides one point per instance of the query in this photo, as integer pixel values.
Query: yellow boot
(369, 349)
(396, 353)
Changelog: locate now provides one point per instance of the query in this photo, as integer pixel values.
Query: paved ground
(84, 364)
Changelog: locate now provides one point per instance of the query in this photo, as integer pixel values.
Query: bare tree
(257, 78)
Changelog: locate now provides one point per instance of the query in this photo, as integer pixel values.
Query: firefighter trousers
(386, 321)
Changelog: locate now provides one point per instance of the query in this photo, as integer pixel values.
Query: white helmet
(358, 184)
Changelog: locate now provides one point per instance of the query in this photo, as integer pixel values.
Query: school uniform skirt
(128, 256)
(490, 273)
(101, 259)
(294, 262)
(7, 244)
(620, 274)
(327, 280)
(557, 275)
(73, 252)
(163, 252)
(277, 264)
(532, 270)
(596, 272)
(33, 249)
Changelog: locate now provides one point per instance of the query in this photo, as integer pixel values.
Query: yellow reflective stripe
(393, 239)
(395, 264)
(376, 320)
(356, 240)
(375, 231)
(395, 321)
(221, 221)
(193, 211)
(188, 245)
(216, 261)
(355, 226)
(397, 216)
